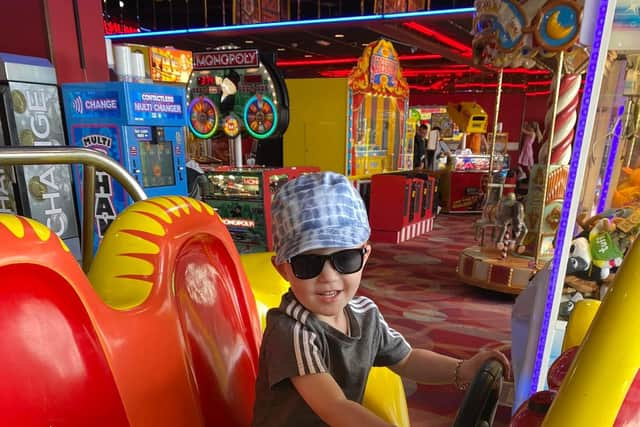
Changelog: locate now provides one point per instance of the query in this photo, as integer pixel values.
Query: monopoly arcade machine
(30, 116)
(236, 98)
(139, 125)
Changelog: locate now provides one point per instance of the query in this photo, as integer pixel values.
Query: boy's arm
(429, 367)
(327, 400)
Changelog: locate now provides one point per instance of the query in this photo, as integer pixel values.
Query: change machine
(30, 116)
(142, 126)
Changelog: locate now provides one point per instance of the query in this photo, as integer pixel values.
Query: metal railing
(92, 161)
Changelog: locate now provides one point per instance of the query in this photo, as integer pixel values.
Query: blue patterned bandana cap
(317, 211)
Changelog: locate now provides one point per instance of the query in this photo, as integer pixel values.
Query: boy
(320, 344)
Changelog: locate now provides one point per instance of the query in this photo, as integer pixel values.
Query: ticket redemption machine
(363, 130)
(142, 126)
(30, 116)
(377, 113)
(236, 100)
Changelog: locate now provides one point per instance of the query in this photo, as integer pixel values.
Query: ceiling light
(338, 36)
(323, 42)
(308, 56)
(248, 41)
(281, 49)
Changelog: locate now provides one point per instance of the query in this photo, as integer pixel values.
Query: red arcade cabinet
(400, 207)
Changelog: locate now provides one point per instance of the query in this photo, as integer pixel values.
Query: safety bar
(92, 161)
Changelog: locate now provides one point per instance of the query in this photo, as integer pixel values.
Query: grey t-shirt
(297, 343)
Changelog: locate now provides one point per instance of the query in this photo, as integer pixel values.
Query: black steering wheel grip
(479, 405)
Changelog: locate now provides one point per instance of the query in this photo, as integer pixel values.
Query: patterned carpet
(415, 285)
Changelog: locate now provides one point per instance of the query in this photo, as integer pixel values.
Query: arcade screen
(236, 185)
(157, 164)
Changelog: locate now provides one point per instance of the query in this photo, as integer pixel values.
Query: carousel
(515, 238)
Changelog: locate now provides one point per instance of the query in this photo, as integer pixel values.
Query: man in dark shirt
(419, 142)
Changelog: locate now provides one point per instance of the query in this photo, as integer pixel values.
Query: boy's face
(327, 294)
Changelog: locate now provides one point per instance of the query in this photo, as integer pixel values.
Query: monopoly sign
(246, 58)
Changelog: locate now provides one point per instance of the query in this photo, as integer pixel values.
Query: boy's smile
(327, 294)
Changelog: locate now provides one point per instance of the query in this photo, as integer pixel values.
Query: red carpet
(414, 284)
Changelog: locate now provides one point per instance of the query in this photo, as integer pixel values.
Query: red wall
(46, 29)
(24, 30)
(512, 106)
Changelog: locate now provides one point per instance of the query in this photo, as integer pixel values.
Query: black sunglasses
(308, 266)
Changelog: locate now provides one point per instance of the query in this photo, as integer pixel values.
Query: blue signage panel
(149, 105)
(155, 104)
(96, 103)
(111, 198)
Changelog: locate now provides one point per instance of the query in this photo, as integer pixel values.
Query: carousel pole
(631, 130)
(552, 130)
(495, 125)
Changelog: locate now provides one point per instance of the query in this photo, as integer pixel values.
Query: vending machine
(30, 115)
(140, 125)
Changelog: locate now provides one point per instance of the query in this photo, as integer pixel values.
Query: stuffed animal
(605, 253)
(579, 256)
(628, 192)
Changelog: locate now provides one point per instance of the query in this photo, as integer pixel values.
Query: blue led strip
(285, 24)
(350, 142)
(611, 162)
(563, 226)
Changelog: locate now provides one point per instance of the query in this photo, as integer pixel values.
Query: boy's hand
(470, 367)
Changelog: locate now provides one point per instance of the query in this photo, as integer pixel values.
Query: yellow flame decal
(131, 257)
(13, 224)
(19, 227)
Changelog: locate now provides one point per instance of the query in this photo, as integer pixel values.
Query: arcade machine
(237, 98)
(464, 182)
(30, 116)
(401, 203)
(139, 125)
(242, 197)
(370, 108)
(378, 108)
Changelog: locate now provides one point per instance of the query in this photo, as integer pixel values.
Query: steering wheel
(481, 401)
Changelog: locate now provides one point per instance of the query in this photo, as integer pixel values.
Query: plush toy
(579, 256)
(628, 191)
(605, 253)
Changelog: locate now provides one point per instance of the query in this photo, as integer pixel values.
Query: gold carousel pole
(552, 131)
(495, 126)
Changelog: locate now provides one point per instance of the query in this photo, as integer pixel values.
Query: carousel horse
(509, 215)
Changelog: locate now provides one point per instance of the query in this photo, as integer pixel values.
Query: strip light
(287, 24)
(466, 50)
(353, 60)
(563, 226)
(611, 162)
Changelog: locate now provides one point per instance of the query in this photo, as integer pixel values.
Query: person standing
(419, 144)
(440, 148)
